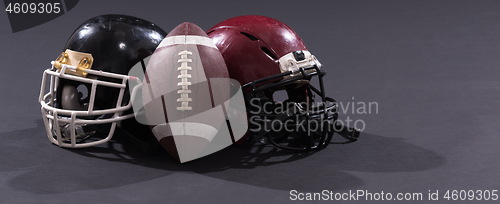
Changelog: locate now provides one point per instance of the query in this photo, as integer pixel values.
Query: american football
(184, 94)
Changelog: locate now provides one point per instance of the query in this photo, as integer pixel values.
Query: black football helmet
(87, 99)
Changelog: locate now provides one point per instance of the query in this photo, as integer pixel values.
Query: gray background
(433, 67)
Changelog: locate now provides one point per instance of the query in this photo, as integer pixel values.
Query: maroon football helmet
(267, 56)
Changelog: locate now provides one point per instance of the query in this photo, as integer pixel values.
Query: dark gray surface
(433, 67)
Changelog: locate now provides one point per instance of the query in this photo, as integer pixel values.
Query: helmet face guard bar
(323, 116)
(73, 121)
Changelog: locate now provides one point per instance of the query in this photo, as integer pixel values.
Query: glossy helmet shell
(117, 43)
(251, 45)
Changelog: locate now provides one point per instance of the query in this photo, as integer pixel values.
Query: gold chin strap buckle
(69, 57)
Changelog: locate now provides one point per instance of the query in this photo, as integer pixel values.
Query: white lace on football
(184, 84)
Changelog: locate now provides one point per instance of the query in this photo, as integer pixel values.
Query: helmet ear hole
(280, 95)
(83, 91)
